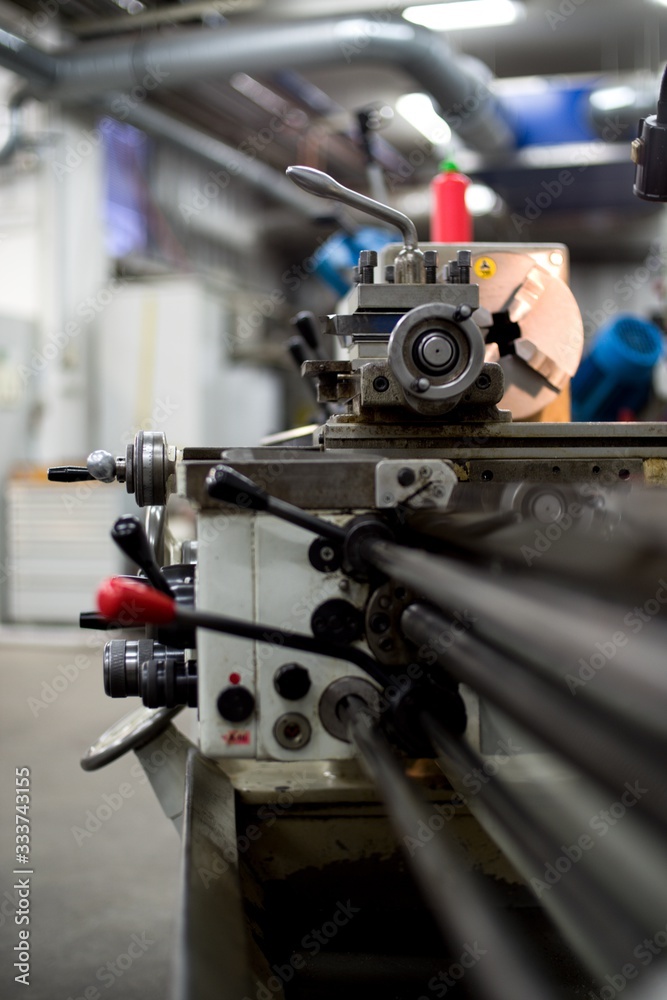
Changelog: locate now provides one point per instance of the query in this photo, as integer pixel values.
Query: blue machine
(615, 374)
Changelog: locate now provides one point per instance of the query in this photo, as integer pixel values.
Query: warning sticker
(485, 267)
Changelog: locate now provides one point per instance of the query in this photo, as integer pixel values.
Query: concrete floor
(89, 897)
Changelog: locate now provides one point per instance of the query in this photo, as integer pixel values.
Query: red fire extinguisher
(450, 219)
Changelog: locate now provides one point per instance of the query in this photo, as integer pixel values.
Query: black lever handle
(308, 326)
(68, 474)
(94, 620)
(129, 535)
(228, 485)
(297, 348)
(299, 352)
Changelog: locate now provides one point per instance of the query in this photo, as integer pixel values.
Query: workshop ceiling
(609, 37)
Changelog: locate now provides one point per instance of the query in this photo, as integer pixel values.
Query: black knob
(129, 535)
(236, 703)
(292, 681)
(166, 683)
(122, 661)
(337, 621)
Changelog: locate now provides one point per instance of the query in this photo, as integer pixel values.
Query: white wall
(162, 362)
(51, 260)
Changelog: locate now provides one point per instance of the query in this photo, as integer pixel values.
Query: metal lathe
(425, 641)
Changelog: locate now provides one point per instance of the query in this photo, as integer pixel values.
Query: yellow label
(485, 267)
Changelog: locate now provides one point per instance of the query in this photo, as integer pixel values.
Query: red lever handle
(133, 603)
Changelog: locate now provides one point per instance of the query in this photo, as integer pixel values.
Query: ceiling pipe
(176, 57)
(16, 138)
(42, 69)
(37, 67)
(227, 161)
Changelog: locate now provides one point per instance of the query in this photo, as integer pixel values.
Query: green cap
(448, 166)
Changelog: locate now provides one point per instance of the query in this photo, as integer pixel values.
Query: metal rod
(589, 915)
(591, 741)
(457, 898)
(544, 626)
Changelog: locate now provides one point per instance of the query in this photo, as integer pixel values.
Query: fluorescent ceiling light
(612, 98)
(419, 111)
(481, 200)
(466, 14)
(131, 6)
(521, 85)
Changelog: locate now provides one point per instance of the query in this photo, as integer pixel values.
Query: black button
(236, 703)
(292, 681)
